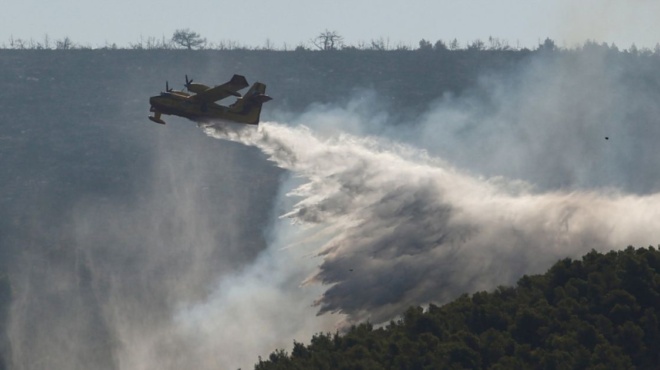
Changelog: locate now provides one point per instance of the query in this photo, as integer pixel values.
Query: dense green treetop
(598, 313)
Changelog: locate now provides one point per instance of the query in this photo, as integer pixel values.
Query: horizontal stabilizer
(239, 80)
(261, 98)
(257, 93)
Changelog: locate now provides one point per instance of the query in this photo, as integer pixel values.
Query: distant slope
(75, 143)
(599, 313)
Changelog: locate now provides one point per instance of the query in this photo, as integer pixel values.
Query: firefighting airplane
(198, 104)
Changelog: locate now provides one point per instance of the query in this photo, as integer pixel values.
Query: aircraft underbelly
(196, 112)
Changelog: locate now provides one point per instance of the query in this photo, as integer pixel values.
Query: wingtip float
(199, 102)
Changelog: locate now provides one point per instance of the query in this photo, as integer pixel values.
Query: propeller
(188, 82)
(167, 87)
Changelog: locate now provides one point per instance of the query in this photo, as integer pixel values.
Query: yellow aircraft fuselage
(199, 108)
(173, 104)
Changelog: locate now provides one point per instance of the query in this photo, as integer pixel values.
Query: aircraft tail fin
(257, 93)
(250, 104)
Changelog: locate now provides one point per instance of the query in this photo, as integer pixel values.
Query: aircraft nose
(155, 102)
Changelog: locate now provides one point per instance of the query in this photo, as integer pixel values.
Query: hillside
(600, 312)
(110, 224)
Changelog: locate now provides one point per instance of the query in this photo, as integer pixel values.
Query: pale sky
(292, 22)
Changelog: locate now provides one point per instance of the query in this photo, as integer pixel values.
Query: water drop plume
(396, 227)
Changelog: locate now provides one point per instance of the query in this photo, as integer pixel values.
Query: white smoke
(164, 278)
(102, 288)
(404, 229)
(547, 124)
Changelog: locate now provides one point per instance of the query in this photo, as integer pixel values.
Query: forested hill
(601, 312)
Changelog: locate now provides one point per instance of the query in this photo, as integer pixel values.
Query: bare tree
(46, 42)
(64, 44)
(16, 43)
(268, 45)
(328, 40)
(477, 45)
(402, 46)
(495, 43)
(151, 43)
(188, 39)
(380, 44)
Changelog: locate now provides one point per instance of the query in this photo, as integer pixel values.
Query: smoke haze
(547, 124)
(404, 229)
(118, 269)
(358, 213)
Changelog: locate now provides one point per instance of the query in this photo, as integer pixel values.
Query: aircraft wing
(220, 92)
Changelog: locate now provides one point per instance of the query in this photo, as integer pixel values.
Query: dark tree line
(325, 41)
(601, 312)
